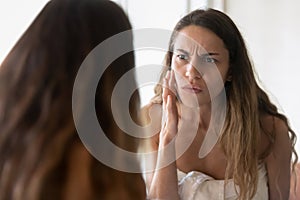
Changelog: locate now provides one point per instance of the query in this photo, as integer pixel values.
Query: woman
(222, 138)
(41, 155)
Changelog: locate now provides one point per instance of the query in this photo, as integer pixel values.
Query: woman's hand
(169, 126)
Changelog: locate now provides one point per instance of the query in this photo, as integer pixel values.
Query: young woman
(220, 136)
(41, 154)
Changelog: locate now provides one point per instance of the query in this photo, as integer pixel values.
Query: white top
(196, 185)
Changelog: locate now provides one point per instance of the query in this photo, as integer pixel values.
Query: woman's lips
(192, 89)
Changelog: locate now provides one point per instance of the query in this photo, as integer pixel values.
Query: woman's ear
(229, 77)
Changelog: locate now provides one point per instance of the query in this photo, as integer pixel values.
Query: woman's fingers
(169, 85)
(164, 97)
(166, 86)
(170, 114)
(170, 126)
(172, 83)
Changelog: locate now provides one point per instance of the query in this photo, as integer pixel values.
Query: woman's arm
(164, 184)
(279, 162)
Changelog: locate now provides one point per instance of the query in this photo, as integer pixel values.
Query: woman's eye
(182, 57)
(209, 60)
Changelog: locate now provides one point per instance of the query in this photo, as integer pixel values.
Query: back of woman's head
(49, 54)
(36, 83)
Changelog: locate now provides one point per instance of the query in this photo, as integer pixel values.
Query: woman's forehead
(196, 39)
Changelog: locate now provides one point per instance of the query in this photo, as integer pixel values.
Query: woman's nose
(192, 72)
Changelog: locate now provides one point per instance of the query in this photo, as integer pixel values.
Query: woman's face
(201, 63)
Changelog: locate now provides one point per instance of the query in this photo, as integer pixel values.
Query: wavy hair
(37, 129)
(245, 101)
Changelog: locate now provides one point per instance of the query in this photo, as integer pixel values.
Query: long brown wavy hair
(246, 100)
(37, 129)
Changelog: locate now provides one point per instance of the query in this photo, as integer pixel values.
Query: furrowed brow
(210, 54)
(182, 51)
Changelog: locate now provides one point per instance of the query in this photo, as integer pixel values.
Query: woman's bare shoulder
(151, 112)
(275, 125)
(275, 133)
(282, 137)
(267, 123)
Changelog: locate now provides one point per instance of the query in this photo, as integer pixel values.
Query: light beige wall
(271, 29)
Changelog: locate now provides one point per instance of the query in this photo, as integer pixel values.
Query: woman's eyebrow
(210, 54)
(182, 51)
(201, 55)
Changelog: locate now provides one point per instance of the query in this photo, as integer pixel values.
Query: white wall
(15, 17)
(271, 29)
